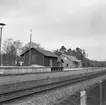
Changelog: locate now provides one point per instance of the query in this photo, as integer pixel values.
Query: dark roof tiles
(46, 53)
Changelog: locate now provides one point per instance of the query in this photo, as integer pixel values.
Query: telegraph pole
(0, 47)
(30, 48)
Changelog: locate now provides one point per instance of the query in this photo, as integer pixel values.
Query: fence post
(100, 92)
(83, 98)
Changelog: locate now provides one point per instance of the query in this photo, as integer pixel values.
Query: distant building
(39, 57)
(70, 61)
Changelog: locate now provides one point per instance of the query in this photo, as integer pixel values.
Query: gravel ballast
(57, 96)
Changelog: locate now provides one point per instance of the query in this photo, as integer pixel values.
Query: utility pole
(87, 61)
(30, 47)
(0, 47)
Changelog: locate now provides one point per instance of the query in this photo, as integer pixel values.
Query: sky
(54, 23)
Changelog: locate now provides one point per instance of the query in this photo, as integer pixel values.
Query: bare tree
(7, 46)
(33, 44)
(12, 48)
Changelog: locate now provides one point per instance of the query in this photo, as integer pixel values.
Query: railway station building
(39, 57)
(70, 61)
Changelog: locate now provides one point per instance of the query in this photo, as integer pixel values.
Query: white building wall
(69, 64)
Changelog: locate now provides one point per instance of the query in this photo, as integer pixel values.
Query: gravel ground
(59, 96)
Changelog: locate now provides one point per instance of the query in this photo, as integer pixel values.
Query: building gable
(72, 58)
(44, 52)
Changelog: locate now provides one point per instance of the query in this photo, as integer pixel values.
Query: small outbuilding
(70, 61)
(39, 57)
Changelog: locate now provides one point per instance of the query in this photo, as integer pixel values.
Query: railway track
(14, 95)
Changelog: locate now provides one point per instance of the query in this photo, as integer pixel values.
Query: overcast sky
(72, 23)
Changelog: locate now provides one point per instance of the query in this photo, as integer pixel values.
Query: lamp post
(1, 27)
